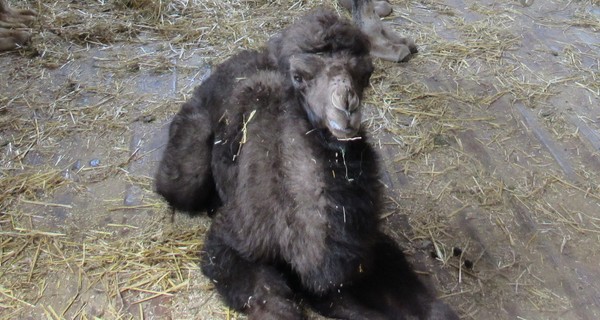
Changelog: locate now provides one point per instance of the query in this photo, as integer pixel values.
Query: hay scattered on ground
(413, 111)
(126, 265)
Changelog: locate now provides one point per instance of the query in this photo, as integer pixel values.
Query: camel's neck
(331, 143)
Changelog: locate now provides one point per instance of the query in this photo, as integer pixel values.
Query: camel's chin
(345, 134)
(340, 132)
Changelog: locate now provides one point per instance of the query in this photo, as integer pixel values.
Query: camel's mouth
(341, 132)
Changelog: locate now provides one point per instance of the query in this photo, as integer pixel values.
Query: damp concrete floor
(490, 141)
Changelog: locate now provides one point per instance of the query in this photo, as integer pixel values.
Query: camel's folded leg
(254, 288)
(385, 43)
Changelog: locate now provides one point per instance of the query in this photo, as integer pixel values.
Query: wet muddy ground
(490, 140)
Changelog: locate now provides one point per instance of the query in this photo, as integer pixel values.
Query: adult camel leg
(383, 8)
(12, 26)
(386, 44)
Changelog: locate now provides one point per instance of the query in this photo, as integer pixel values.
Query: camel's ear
(303, 68)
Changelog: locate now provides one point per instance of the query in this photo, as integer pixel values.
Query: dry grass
(472, 66)
(130, 264)
(150, 265)
(76, 88)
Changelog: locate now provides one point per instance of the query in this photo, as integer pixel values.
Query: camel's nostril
(345, 99)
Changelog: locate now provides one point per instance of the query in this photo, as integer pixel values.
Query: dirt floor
(490, 138)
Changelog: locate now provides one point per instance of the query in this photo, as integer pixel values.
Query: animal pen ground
(489, 136)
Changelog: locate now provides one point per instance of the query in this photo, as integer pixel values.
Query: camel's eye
(298, 78)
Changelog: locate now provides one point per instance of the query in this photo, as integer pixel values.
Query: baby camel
(277, 135)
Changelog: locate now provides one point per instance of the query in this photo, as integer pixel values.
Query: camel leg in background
(13, 26)
(386, 44)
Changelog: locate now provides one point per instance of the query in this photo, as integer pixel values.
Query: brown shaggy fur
(201, 138)
(278, 132)
(186, 170)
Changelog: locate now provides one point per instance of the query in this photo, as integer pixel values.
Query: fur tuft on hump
(320, 32)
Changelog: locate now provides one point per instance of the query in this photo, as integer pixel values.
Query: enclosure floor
(490, 141)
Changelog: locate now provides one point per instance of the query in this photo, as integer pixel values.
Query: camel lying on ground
(274, 138)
